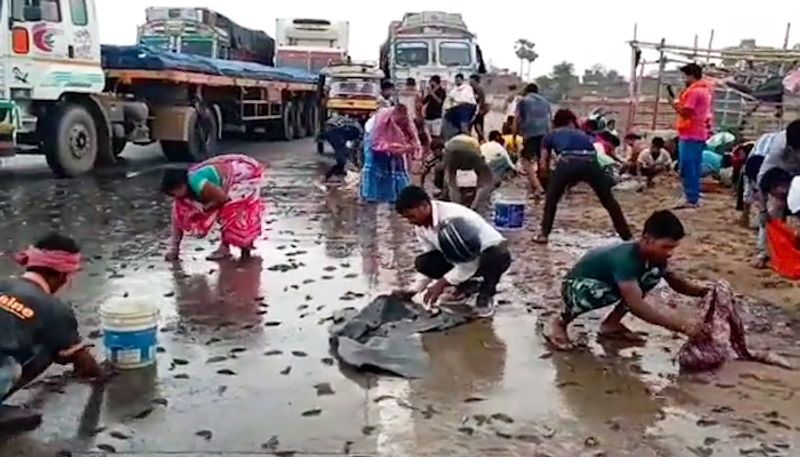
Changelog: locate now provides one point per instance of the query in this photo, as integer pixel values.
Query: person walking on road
(388, 96)
(391, 145)
(620, 276)
(532, 123)
(37, 328)
(577, 162)
(433, 106)
(225, 188)
(694, 123)
(461, 106)
(482, 107)
(339, 131)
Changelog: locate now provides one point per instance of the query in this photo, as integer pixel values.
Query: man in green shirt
(621, 275)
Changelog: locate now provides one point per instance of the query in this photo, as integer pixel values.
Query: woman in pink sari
(227, 189)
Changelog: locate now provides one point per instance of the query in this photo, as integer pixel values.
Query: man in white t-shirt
(653, 161)
(492, 262)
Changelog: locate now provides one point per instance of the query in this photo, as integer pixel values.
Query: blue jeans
(338, 138)
(691, 165)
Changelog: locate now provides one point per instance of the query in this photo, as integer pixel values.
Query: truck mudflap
(9, 126)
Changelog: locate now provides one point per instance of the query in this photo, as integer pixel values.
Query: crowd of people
(417, 134)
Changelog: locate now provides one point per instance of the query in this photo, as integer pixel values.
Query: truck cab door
(83, 44)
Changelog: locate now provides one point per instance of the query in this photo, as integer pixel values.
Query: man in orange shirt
(694, 123)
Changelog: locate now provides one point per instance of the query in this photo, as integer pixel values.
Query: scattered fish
(107, 448)
(312, 412)
(286, 371)
(146, 412)
(205, 434)
(226, 372)
(323, 389)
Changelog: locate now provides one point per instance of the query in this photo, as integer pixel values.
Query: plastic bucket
(509, 214)
(129, 333)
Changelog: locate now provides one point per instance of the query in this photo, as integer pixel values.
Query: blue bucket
(509, 214)
(130, 334)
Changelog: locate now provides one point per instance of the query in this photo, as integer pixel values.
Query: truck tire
(301, 120)
(70, 143)
(312, 119)
(201, 144)
(288, 122)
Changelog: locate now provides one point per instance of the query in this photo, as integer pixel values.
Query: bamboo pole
(710, 48)
(662, 62)
(632, 92)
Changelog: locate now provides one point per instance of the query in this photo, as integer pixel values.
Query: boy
(36, 328)
(434, 163)
(496, 156)
(621, 275)
(493, 261)
(653, 161)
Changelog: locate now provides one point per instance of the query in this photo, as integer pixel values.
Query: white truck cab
(49, 53)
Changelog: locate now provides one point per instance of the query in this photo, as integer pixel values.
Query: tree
(524, 49)
(563, 79)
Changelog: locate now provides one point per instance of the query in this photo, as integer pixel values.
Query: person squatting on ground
(459, 246)
(532, 122)
(577, 162)
(483, 107)
(781, 151)
(653, 161)
(621, 275)
(224, 189)
(694, 123)
(497, 157)
(461, 106)
(463, 153)
(434, 163)
(339, 131)
(392, 143)
(38, 329)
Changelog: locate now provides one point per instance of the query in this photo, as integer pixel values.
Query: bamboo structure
(748, 66)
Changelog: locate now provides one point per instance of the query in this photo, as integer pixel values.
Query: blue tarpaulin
(142, 57)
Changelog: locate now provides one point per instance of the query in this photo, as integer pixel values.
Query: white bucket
(129, 333)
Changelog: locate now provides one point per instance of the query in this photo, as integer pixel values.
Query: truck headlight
(20, 94)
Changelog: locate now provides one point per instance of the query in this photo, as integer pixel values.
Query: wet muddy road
(244, 366)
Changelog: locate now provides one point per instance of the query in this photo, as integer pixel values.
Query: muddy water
(244, 365)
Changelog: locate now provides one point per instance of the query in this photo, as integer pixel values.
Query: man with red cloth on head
(36, 328)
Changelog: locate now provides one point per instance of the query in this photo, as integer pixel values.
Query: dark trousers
(40, 360)
(493, 263)
(572, 170)
(338, 138)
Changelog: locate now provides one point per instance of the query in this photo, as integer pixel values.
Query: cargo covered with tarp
(142, 57)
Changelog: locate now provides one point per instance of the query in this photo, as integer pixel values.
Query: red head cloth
(394, 133)
(63, 262)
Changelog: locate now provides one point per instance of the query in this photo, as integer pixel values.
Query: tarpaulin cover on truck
(142, 57)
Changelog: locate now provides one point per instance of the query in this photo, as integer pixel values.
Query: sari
(390, 146)
(239, 218)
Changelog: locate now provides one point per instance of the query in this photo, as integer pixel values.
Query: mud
(244, 368)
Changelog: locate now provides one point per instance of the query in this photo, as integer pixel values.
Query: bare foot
(619, 332)
(556, 335)
(247, 253)
(219, 254)
(760, 263)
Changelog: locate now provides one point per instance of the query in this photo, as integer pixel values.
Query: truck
(311, 44)
(430, 43)
(204, 32)
(63, 98)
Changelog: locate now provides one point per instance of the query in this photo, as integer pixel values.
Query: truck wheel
(118, 145)
(70, 144)
(312, 120)
(288, 122)
(301, 128)
(200, 145)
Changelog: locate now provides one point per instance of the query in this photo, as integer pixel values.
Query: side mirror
(32, 13)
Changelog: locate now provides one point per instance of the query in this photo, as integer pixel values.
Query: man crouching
(459, 246)
(620, 275)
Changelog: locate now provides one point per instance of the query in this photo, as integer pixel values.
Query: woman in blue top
(577, 162)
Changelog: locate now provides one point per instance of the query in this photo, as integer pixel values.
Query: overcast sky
(580, 31)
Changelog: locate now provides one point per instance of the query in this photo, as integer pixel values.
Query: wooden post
(710, 46)
(662, 62)
(696, 45)
(633, 95)
(786, 37)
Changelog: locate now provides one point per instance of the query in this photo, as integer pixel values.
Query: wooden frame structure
(758, 65)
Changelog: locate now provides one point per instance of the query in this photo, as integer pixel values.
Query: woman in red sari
(227, 189)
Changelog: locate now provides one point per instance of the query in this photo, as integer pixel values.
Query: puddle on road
(244, 363)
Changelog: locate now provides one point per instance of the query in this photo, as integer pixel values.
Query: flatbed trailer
(80, 106)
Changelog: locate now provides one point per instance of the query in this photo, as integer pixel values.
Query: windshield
(293, 60)
(454, 54)
(343, 88)
(203, 48)
(411, 54)
(156, 42)
(320, 61)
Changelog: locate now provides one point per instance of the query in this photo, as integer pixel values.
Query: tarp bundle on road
(385, 335)
(142, 57)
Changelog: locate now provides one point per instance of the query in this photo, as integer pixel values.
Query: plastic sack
(784, 252)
